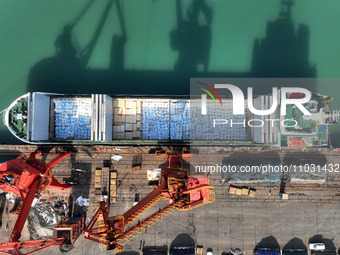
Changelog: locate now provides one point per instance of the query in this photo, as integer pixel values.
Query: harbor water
(31, 58)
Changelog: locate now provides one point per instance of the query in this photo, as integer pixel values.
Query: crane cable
(76, 21)
(123, 14)
(148, 36)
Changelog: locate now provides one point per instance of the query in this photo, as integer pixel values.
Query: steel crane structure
(27, 177)
(184, 191)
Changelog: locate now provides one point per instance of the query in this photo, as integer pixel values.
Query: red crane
(26, 177)
(30, 176)
(184, 191)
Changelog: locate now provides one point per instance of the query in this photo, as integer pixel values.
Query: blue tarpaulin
(268, 252)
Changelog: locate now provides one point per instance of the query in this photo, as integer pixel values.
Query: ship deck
(17, 117)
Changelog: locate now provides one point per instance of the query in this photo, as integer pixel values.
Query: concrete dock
(230, 222)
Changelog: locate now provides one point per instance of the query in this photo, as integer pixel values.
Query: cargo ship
(50, 118)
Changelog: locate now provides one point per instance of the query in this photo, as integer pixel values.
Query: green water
(29, 29)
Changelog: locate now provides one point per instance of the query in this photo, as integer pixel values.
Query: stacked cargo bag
(180, 120)
(72, 118)
(202, 128)
(155, 120)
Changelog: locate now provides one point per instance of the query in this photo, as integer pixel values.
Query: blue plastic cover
(268, 252)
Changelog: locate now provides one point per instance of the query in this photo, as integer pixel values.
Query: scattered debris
(87, 221)
(133, 188)
(60, 207)
(70, 181)
(41, 220)
(236, 252)
(10, 197)
(81, 201)
(78, 170)
(154, 174)
(116, 157)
